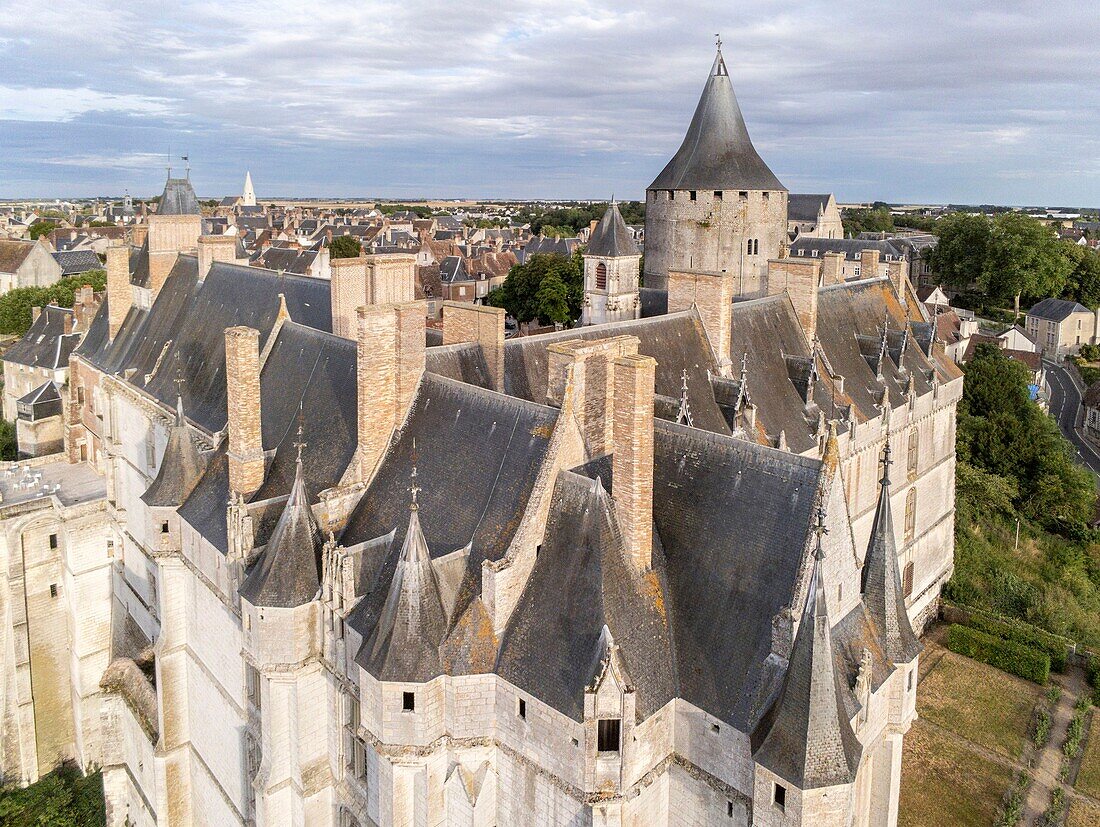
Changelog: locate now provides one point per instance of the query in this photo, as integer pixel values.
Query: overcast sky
(953, 101)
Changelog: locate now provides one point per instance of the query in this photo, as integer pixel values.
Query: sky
(924, 102)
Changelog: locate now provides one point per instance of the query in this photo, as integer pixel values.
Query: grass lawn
(979, 703)
(1088, 779)
(1083, 814)
(944, 781)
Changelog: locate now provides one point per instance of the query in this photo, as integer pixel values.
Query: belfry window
(601, 276)
(607, 734)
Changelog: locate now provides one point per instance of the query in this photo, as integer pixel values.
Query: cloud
(923, 100)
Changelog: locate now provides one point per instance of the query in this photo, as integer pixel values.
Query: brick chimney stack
(215, 248)
(800, 278)
(390, 363)
(712, 294)
(242, 378)
(368, 280)
(632, 462)
(831, 268)
(868, 264)
(120, 296)
(463, 322)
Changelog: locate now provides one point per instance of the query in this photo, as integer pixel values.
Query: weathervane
(718, 41)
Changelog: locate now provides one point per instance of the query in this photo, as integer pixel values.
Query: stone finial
(683, 416)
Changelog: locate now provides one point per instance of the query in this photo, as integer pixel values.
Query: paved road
(1065, 407)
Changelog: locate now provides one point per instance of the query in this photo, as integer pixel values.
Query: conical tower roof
(406, 639)
(180, 468)
(248, 194)
(288, 573)
(881, 579)
(806, 737)
(178, 198)
(717, 153)
(611, 238)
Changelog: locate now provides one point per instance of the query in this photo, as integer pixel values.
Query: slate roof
(676, 341)
(75, 262)
(1056, 310)
(46, 392)
(189, 319)
(611, 238)
(802, 207)
(178, 198)
(881, 580)
(288, 573)
(452, 269)
(582, 582)
(45, 344)
(717, 153)
(181, 467)
(851, 247)
(286, 260)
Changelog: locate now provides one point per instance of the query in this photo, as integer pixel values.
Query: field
(979, 703)
(1083, 814)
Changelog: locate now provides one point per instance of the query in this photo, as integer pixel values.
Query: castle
(640, 572)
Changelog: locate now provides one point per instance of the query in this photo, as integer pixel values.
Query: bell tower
(611, 263)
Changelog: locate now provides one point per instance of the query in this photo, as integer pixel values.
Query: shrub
(1042, 728)
(1012, 804)
(1020, 632)
(1014, 658)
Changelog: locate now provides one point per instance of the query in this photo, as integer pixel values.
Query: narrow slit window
(523, 709)
(780, 796)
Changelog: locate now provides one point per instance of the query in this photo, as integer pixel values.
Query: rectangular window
(718, 195)
(522, 710)
(53, 541)
(692, 195)
(53, 590)
(164, 527)
(907, 581)
(779, 796)
(910, 514)
(252, 684)
(729, 809)
(408, 702)
(607, 734)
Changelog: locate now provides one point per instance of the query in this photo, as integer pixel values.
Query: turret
(716, 206)
(181, 467)
(611, 262)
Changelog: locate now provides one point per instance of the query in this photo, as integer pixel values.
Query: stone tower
(716, 206)
(611, 263)
(248, 196)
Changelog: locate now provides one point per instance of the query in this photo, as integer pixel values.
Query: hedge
(1014, 658)
(1054, 646)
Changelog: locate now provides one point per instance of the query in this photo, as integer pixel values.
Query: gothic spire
(880, 579)
(806, 738)
(683, 417)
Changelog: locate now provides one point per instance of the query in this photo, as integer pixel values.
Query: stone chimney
(832, 268)
(170, 235)
(368, 280)
(120, 295)
(898, 273)
(242, 379)
(464, 322)
(215, 248)
(868, 263)
(67, 323)
(712, 294)
(390, 363)
(800, 278)
(588, 365)
(632, 462)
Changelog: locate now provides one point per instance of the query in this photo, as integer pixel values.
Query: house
(1059, 327)
(27, 264)
(77, 262)
(813, 215)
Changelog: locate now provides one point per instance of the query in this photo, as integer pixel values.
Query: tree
(1024, 257)
(877, 220)
(345, 246)
(520, 293)
(959, 257)
(41, 228)
(15, 305)
(1083, 283)
(552, 300)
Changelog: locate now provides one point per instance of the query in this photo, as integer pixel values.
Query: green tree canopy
(41, 228)
(345, 246)
(15, 305)
(877, 220)
(546, 287)
(1003, 433)
(1083, 283)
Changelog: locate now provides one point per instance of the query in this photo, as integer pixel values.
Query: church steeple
(248, 195)
(881, 580)
(611, 262)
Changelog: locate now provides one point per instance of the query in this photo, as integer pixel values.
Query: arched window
(914, 449)
(601, 276)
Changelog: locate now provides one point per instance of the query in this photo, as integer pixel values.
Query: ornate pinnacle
(684, 415)
(886, 463)
(820, 531)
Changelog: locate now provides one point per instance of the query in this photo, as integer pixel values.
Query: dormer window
(607, 734)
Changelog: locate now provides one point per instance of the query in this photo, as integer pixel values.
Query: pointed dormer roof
(288, 573)
(180, 468)
(806, 738)
(178, 198)
(406, 639)
(717, 153)
(611, 238)
(881, 579)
